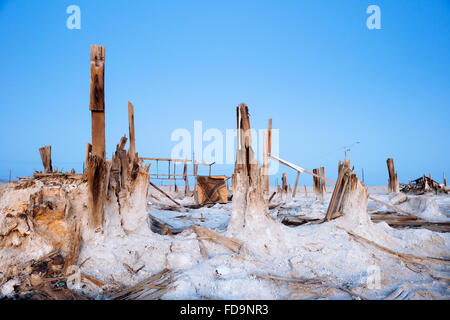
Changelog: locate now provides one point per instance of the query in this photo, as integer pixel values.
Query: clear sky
(313, 66)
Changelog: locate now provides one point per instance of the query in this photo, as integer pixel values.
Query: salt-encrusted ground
(323, 251)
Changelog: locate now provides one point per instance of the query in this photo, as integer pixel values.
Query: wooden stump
(249, 204)
(349, 197)
(46, 156)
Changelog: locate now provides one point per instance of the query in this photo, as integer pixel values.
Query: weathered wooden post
(247, 181)
(323, 188)
(443, 179)
(284, 186)
(96, 164)
(132, 150)
(393, 185)
(46, 157)
(296, 184)
(316, 181)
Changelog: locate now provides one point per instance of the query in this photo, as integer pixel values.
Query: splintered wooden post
(393, 185)
(97, 100)
(296, 184)
(266, 161)
(132, 151)
(249, 204)
(46, 156)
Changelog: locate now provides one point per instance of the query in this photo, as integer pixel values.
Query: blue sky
(313, 66)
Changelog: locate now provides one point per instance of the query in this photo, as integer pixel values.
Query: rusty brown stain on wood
(97, 95)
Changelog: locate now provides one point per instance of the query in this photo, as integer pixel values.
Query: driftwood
(207, 234)
(404, 256)
(151, 288)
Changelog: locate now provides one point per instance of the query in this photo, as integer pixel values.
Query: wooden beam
(164, 194)
(46, 157)
(132, 150)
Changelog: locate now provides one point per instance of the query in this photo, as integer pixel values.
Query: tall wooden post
(97, 100)
(443, 179)
(96, 164)
(132, 150)
(46, 157)
(393, 185)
